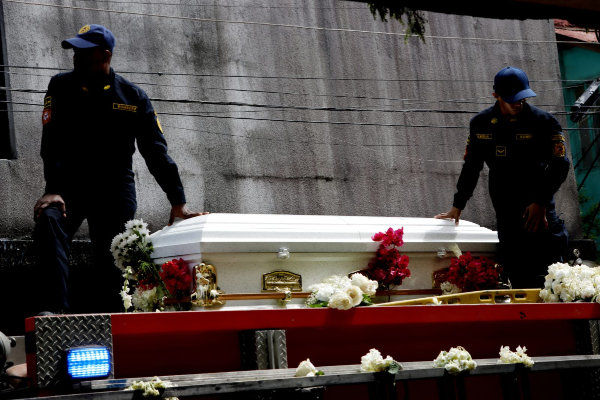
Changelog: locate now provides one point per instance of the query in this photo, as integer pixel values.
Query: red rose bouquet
(471, 274)
(389, 268)
(176, 276)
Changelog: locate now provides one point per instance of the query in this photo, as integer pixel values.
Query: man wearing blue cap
(524, 148)
(92, 120)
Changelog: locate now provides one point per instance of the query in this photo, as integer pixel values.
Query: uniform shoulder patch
(47, 116)
(47, 101)
(483, 135)
(158, 123)
(124, 107)
(559, 149)
(559, 138)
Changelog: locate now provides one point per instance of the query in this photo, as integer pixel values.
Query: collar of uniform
(497, 114)
(107, 82)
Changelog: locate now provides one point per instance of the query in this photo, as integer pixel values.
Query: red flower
(471, 274)
(176, 276)
(147, 284)
(389, 267)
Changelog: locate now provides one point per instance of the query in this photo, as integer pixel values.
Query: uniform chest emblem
(494, 120)
(524, 136)
(559, 149)
(484, 136)
(46, 116)
(500, 151)
(124, 107)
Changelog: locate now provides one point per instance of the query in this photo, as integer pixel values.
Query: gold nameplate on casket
(281, 280)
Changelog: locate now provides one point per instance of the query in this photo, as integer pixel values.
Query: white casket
(243, 247)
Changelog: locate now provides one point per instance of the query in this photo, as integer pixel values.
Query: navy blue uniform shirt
(525, 154)
(89, 137)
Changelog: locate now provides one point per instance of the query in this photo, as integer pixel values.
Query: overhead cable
(299, 141)
(161, 73)
(315, 28)
(323, 143)
(226, 6)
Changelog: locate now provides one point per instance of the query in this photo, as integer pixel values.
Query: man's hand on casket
(181, 211)
(535, 216)
(452, 214)
(46, 201)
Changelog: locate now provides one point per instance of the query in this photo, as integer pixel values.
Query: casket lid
(242, 233)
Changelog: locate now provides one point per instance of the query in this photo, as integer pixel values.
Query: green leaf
(319, 304)
(318, 373)
(415, 21)
(394, 367)
(366, 301)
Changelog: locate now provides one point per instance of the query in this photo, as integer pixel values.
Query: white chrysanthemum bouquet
(132, 251)
(342, 292)
(569, 284)
(374, 362)
(455, 361)
(515, 357)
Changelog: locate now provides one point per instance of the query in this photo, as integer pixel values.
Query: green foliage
(366, 300)
(319, 373)
(415, 21)
(394, 367)
(319, 304)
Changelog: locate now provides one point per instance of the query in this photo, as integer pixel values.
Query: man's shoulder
(483, 116)
(539, 113)
(62, 78)
(129, 88)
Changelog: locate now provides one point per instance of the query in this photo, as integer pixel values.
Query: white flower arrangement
(341, 292)
(570, 284)
(515, 357)
(132, 245)
(132, 252)
(455, 361)
(145, 300)
(127, 298)
(150, 388)
(368, 286)
(449, 288)
(374, 362)
(306, 368)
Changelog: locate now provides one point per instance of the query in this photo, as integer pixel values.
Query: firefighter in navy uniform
(92, 120)
(524, 148)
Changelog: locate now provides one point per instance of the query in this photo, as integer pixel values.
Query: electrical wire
(315, 28)
(160, 73)
(306, 108)
(226, 6)
(321, 143)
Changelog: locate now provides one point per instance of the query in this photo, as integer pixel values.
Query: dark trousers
(53, 235)
(525, 256)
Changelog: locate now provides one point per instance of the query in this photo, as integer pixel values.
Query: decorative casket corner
(205, 288)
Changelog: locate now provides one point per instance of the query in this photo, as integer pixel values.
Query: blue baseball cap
(91, 36)
(512, 85)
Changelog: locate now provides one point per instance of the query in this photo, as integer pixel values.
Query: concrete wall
(248, 166)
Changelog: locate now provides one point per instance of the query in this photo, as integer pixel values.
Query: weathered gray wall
(242, 166)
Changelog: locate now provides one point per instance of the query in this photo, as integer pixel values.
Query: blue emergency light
(88, 362)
